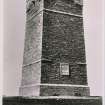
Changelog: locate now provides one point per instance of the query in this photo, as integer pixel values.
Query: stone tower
(54, 62)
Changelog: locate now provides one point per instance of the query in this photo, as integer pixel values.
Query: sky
(14, 34)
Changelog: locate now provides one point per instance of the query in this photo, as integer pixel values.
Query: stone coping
(52, 97)
(45, 84)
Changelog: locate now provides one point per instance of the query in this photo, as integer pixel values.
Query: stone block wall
(30, 90)
(31, 69)
(63, 42)
(31, 74)
(47, 90)
(54, 35)
(33, 39)
(68, 6)
(51, 73)
(63, 37)
(52, 101)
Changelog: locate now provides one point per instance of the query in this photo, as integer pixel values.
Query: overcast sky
(14, 25)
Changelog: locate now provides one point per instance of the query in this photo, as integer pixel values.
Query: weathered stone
(52, 100)
(33, 39)
(54, 35)
(54, 64)
(46, 90)
(68, 6)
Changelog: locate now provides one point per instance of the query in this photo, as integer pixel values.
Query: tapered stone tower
(54, 62)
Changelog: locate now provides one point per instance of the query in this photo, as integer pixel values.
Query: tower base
(55, 90)
(52, 100)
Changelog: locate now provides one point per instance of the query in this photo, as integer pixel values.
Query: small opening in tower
(64, 68)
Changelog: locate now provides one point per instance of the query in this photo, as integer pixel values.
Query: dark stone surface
(64, 91)
(51, 74)
(69, 6)
(48, 101)
(63, 42)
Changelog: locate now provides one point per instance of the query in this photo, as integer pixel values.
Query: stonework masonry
(54, 35)
(52, 101)
(54, 68)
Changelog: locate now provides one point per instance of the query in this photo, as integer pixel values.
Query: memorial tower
(54, 62)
